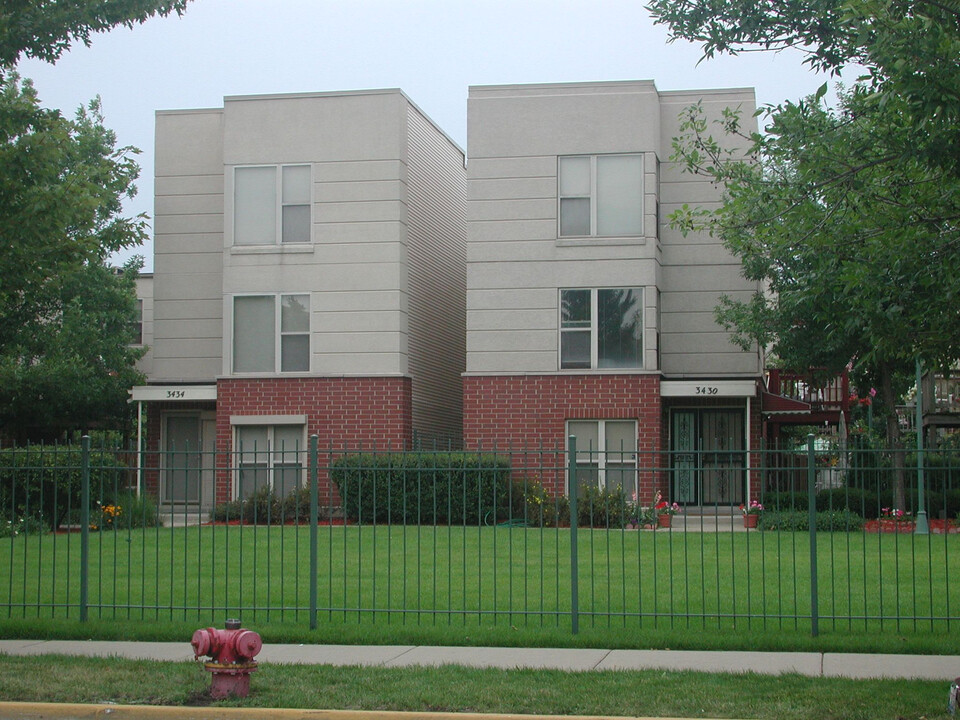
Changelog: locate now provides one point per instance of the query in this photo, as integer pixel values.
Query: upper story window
(271, 333)
(600, 195)
(601, 328)
(271, 205)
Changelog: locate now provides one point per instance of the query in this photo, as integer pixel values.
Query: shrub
(127, 511)
(426, 488)
(265, 507)
(604, 508)
(227, 511)
(45, 482)
(795, 520)
(857, 500)
(541, 509)
(22, 526)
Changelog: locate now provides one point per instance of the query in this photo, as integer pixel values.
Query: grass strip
(337, 632)
(457, 689)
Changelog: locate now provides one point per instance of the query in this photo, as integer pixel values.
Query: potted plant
(664, 511)
(751, 514)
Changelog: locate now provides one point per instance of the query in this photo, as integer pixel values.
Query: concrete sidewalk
(849, 665)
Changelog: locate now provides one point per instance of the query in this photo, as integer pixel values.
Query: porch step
(184, 518)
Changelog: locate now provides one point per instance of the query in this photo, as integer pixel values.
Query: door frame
(205, 447)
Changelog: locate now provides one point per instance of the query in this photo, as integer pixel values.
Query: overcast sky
(432, 49)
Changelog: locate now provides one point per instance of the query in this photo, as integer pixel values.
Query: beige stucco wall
(385, 265)
(188, 246)
(517, 263)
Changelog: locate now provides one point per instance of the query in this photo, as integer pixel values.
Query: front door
(708, 456)
(182, 459)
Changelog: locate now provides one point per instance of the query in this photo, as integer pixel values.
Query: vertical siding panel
(436, 276)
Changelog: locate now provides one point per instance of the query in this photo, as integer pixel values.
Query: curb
(76, 711)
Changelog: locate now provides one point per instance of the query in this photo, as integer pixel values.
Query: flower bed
(885, 525)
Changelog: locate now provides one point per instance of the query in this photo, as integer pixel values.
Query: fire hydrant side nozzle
(231, 651)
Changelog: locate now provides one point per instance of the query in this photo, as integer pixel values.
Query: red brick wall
(524, 413)
(345, 413)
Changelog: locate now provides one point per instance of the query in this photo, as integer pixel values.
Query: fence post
(574, 573)
(84, 525)
(922, 526)
(812, 518)
(314, 512)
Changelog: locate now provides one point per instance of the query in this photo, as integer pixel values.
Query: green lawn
(457, 689)
(450, 581)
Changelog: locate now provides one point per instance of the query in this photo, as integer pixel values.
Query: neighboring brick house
(308, 279)
(586, 313)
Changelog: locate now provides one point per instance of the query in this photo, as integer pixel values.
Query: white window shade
(255, 206)
(619, 195)
(254, 334)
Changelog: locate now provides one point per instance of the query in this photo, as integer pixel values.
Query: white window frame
(592, 197)
(586, 454)
(278, 208)
(595, 327)
(271, 451)
(278, 333)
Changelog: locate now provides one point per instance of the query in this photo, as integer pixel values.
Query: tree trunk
(894, 439)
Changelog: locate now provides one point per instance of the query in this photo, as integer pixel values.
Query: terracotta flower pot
(664, 520)
(750, 521)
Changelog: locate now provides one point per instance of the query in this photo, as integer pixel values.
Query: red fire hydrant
(232, 652)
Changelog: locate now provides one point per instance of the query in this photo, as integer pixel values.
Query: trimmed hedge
(795, 520)
(45, 482)
(866, 503)
(428, 488)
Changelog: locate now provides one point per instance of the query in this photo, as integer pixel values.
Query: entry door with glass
(708, 456)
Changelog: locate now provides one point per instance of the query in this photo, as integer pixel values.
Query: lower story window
(606, 453)
(269, 456)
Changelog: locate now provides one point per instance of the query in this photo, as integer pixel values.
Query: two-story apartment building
(587, 314)
(309, 278)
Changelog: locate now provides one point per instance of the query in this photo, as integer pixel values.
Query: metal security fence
(525, 538)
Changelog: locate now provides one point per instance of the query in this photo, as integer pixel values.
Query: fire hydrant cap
(248, 644)
(201, 642)
(232, 624)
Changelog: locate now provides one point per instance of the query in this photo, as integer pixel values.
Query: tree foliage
(65, 316)
(45, 29)
(858, 261)
(62, 183)
(908, 50)
(73, 371)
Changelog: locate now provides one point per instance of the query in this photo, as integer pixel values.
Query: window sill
(594, 241)
(291, 249)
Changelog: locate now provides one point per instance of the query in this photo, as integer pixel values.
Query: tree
(850, 216)
(44, 29)
(909, 51)
(61, 187)
(64, 315)
(74, 370)
(857, 263)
